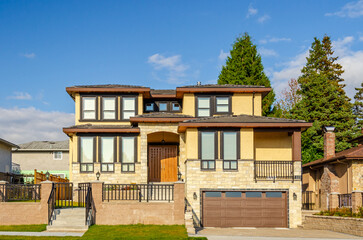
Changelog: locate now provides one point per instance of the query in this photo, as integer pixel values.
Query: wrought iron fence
(308, 200)
(274, 170)
(19, 192)
(82, 193)
(138, 192)
(90, 207)
(63, 194)
(345, 200)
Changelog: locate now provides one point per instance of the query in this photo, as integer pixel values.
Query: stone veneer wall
(338, 224)
(357, 175)
(243, 179)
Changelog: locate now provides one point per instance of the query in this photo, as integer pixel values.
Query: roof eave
(72, 90)
(181, 90)
(100, 130)
(159, 120)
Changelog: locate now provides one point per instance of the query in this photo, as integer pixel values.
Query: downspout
(253, 104)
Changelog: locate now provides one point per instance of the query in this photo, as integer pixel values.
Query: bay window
(107, 152)
(128, 154)
(87, 153)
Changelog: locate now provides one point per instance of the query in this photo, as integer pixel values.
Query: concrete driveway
(270, 233)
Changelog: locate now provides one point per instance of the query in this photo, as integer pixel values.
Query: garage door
(244, 209)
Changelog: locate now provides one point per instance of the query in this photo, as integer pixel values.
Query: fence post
(357, 200)
(179, 202)
(97, 189)
(46, 189)
(333, 200)
(2, 190)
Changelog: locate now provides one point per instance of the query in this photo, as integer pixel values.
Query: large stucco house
(240, 169)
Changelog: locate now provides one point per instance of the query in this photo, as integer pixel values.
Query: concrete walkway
(43, 234)
(270, 233)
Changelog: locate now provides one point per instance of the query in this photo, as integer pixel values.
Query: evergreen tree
(358, 106)
(323, 102)
(244, 67)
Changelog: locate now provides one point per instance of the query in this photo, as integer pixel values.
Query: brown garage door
(244, 209)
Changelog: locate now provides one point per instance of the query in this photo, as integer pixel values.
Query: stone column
(356, 200)
(179, 202)
(46, 188)
(2, 190)
(333, 200)
(97, 197)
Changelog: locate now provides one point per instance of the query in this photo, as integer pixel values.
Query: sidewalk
(43, 234)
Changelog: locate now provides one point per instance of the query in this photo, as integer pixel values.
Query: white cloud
(341, 47)
(29, 55)
(20, 125)
(274, 40)
(175, 69)
(263, 18)
(223, 55)
(20, 96)
(267, 52)
(251, 11)
(351, 10)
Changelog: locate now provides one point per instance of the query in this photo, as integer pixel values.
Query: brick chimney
(329, 142)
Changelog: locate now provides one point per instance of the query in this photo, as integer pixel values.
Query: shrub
(342, 212)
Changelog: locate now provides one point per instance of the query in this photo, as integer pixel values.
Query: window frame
(61, 155)
(171, 106)
(200, 131)
(167, 106)
(229, 104)
(114, 154)
(197, 105)
(93, 155)
(238, 148)
(213, 104)
(135, 154)
(82, 119)
(122, 105)
(102, 108)
(153, 104)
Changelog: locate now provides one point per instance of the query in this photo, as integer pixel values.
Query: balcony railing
(345, 200)
(138, 192)
(274, 170)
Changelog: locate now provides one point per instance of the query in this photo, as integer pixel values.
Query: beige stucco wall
(189, 104)
(242, 103)
(357, 175)
(40, 161)
(5, 158)
(273, 146)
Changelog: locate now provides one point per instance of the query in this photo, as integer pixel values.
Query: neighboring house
(52, 156)
(240, 169)
(335, 180)
(5, 156)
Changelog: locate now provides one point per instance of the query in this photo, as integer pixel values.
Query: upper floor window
(204, 107)
(207, 151)
(87, 153)
(107, 153)
(89, 107)
(109, 106)
(222, 104)
(57, 155)
(175, 107)
(149, 107)
(163, 106)
(128, 107)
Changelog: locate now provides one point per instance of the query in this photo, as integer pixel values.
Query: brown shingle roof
(242, 118)
(162, 92)
(222, 86)
(108, 86)
(352, 153)
(89, 128)
(162, 115)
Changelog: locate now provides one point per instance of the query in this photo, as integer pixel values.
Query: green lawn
(131, 232)
(23, 228)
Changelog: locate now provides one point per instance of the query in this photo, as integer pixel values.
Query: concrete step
(69, 220)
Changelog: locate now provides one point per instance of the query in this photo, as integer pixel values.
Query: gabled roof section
(7, 143)
(164, 117)
(163, 93)
(107, 88)
(223, 88)
(44, 146)
(90, 128)
(243, 121)
(349, 154)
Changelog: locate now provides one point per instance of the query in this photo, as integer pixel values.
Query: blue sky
(46, 46)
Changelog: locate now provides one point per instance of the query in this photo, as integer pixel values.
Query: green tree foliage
(323, 102)
(358, 106)
(244, 67)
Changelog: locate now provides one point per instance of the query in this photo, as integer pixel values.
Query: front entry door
(163, 163)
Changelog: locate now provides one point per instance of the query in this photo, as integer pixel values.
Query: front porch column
(333, 200)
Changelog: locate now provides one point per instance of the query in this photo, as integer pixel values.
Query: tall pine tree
(324, 101)
(358, 106)
(244, 67)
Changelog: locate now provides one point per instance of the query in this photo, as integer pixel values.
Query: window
(109, 108)
(213, 194)
(175, 107)
(222, 104)
(107, 154)
(233, 194)
(149, 107)
(273, 194)
(253, 194)
(229, 150)
(128, 107)
(87, 151)
(208, 150)
(88, 107)
(203, 107)
(163, 106)
(57, 155)
(128, 156)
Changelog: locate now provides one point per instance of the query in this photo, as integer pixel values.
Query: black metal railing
(138, 192)
(345, 200)
(51, 205)
(82, 193)
(274, 170)
(19, 192)
(63, 194)
(308, 200)
(90, 208)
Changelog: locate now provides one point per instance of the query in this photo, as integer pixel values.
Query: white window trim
(54, 158)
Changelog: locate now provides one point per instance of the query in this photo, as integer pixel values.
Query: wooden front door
(163, 163)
